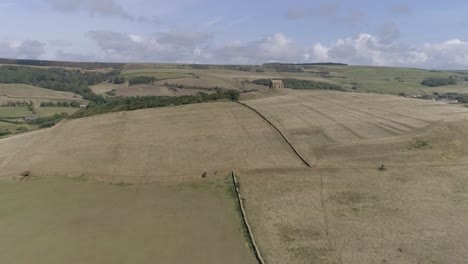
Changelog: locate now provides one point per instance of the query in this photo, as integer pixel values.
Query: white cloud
(98, 8)
(17, 49)
(277, 47)
(198, 47)
(172, 46)
(366, 49)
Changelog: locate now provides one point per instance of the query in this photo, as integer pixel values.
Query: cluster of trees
(59, 79)
(307, 64)
(302, 84)
(82, 65)
(118, 80)
(285, 68)
(306, 84)
(181, 86)
(243, 68)
(438, 81)
(16, 103)
(462, 98)
(60, 104)
(199, 66)
(141, 80)
(143, 102)
(4, 132)
(50, 121)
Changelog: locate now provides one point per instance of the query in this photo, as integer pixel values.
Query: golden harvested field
(72, 220)
(344, 210)
(172, 144)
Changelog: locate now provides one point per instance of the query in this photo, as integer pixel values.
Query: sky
(419, 33)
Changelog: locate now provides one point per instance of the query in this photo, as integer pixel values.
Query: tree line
(143, 102)
(439, 81)
(59, 79)
(60, 104)
(301, 84)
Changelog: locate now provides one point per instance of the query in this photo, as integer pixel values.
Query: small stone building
(276, 84)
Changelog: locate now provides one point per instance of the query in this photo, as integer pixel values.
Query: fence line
(280, 132)
(244, 220)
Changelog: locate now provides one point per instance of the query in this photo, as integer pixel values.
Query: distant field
(105, 87)
(386, 80)
(50, 111)
(160, 75)
(27, 91)
(12, 111)
(76, 221)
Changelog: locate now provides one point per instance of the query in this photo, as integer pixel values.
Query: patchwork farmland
(386, 182)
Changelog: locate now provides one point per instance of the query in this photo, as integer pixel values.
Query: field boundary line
(246, 224)
(280, 132)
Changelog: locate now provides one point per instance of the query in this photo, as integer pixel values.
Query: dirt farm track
(341, 210)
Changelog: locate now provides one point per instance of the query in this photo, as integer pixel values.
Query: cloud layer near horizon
(197, 47)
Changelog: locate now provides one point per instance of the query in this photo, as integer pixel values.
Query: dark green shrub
(119, 80)
(438, 81)
(141, 80)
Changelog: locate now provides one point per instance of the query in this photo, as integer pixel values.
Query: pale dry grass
(174, 143)
(411, 213)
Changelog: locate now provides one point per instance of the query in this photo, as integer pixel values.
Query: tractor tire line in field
(323, 121)
(375, 115)
(392, 130)
(331, 244)
(345, 127)
(392, 112)
(389, 124)
(387, 128)
(300, 115)
(331, 119)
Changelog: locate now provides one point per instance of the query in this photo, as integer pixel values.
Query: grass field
(50, 111)
(27, 91)
(76, 221)
(158, 74)
(12, 111)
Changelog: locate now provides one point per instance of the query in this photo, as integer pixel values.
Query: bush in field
(433, 82)
(141, 80)
(119, 80)
(265, 82)
(4, 133)
(49, 121)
